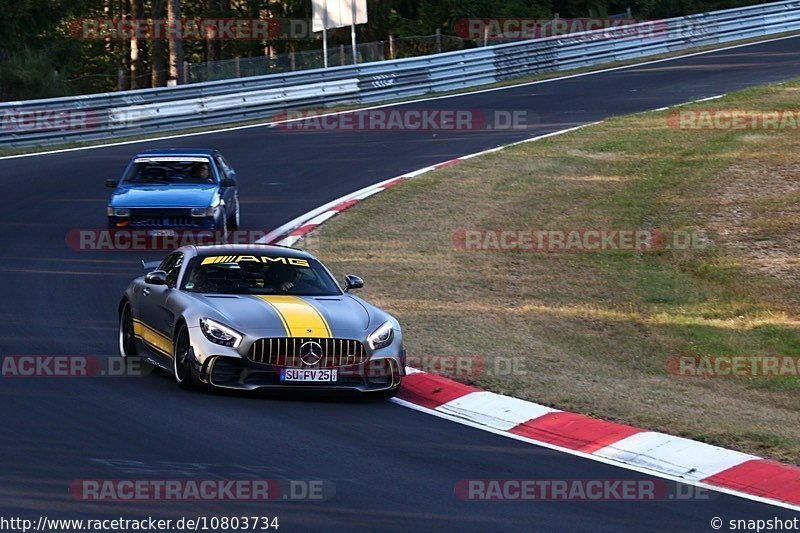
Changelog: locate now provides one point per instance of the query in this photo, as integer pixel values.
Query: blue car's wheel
(222, 231)
(234, 222)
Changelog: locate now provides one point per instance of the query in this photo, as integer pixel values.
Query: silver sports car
(256, 316)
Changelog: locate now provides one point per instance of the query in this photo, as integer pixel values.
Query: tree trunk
(125, 59)
(137, 47)
(212, 42)
(175, 41)
(158, 65)
(225, 12)
(256, 47)
(108, 14)
(111, 48)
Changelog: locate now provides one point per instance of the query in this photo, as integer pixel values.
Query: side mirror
(228, 182)
(352, 282)
(156, 277)
(112, 184)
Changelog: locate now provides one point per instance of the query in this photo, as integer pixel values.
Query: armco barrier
(127, 113)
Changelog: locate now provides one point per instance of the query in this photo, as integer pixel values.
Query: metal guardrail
(123, 114)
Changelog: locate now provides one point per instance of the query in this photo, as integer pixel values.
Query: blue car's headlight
(203, 211)
(219, 333)
(381, 337)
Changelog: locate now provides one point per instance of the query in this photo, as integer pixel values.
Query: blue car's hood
(200, 195)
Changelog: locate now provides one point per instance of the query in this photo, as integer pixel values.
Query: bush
(27, 74)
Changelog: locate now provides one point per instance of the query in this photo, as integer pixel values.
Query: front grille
(162, 218)
(285, 351)
(162, 222)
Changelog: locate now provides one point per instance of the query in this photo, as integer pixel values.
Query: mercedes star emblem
(310, 353)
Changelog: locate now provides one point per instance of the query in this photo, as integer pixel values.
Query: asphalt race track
(393, 468)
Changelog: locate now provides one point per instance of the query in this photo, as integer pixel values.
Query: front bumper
(182, 223)
(231, 368)
(379, 374)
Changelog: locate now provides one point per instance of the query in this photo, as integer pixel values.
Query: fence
(112, 115)
(338, 56)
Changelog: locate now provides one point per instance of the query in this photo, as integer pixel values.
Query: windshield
(169, 171)
(256, 274)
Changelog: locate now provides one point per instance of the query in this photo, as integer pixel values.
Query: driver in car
(283, 278)
(202, 172)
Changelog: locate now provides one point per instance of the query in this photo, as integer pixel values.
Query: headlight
(203, 211)
(220, 334)
(118, 212)
(381, 337)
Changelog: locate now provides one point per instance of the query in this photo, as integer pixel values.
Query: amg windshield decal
(293, 261)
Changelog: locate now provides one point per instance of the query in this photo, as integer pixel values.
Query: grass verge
(596, 330)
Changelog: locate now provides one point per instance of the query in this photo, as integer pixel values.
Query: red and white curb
(626, 446)
(613, 443)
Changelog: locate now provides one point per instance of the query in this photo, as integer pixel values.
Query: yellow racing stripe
(152, 337)
(300, 318)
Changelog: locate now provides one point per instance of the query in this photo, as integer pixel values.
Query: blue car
(165, 192)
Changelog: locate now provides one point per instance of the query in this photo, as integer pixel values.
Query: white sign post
(353, 29)
(325, 33)
(328, 14)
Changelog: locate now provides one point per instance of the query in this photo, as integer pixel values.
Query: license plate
(308, 374)
(162, 233)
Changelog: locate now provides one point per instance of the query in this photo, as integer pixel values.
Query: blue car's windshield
(257, 275)
(169, 171)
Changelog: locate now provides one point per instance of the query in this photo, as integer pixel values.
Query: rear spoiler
(150, 265)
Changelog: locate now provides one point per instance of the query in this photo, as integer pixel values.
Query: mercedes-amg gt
(256, 316)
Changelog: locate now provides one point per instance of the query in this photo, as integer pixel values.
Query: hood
(199, 195)
(336, 316)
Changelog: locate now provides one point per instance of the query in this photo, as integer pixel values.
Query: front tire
(127, 342)
(183, 359)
